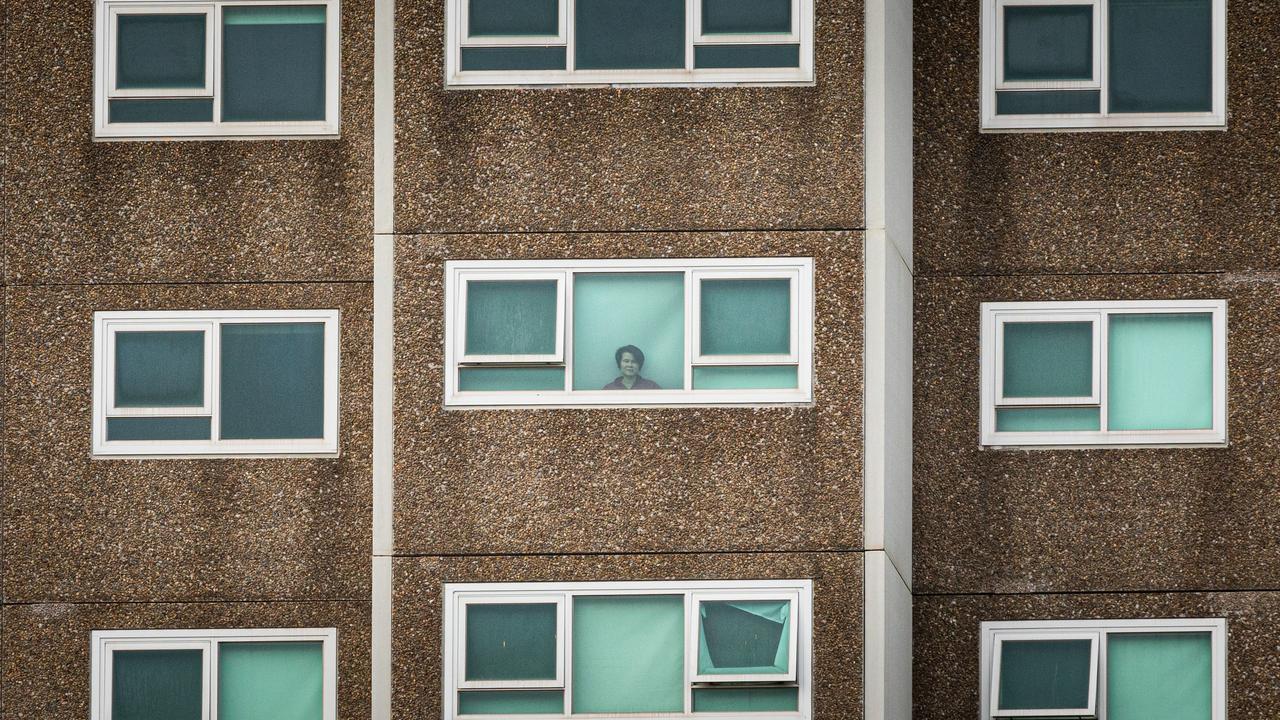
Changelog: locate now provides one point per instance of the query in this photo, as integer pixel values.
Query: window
(675, 649)
(233, 68)
(629, 42)
(1105, 669)
(257, 382)
(1059, 64)
(1104, 373)
(214, 674)
(628, 332)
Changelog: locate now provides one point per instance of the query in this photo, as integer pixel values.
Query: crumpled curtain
(735, 637)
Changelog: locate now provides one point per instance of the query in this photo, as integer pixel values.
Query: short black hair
(636, 353)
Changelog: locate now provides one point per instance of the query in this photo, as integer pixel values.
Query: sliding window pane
(629, 34)
(1160, 372)
(628, 654)
(506, 317)
(160, 52)
(273, 65)
(159, 369)
(157, 684)
(1161, 56)
(1159, 675)
(746, 16)
(617, 314)
(487, 18)
(1048, 42)
(270, 681)
(272, 381)
(1048, 359)
(511, 641)
(746, 317)
(1044, 674)
(744, 637)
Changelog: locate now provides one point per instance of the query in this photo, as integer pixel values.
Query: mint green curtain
(493, 379)
(629, 34)
(1165, 676)
(628, 654)
(1044, 674)
(1046, 419)
(615, 309)
(511, 317)
(273, 63)
(1048, 359)
(1160, 372)
(270, 681)
(744, 637)
(743, 377)
(746, 699)
(159, 369)
(511, 641)
(511, 702)
(157, 684)
(746, 317)
(272, 380)
(274, 15)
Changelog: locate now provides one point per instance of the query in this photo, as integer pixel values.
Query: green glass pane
(160, 51)
(1160, 57)
(785, 699)
(511, 641)
(746, 16)
(1160, 372)
(1044, 674)
(1048, 359)
(146, 111)
(511, 702)
(157, 684)
(1048, 42)
(1168, 676)
(744, 637)
(629, 34)
(159, 369)
(272, 381)
(496, 379)
(746, 377)
(746, 317)
(270, 681)
(1048, 102)
(511, 317)
(746, 56)
(513, 17)
(613, 310)
(1048, 419)
(273, 63)
(628, 654)
(513, 58)
(159, 428)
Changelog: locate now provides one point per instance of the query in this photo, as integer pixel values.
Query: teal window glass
(1159, 675)
(487, 18)
(746, 699)
(160, 51)
(272, 381)
(1048, 102)
(1160, 56)
(273, 63)
(511, 641)
(159, 369)
(513, 58)
(1044, 674)
(1048, 42)
(746, 16)
(746, 377)
(1160, 372)
(270, 681)
(506, 317)
(1048, 359)
(497, 379)
(157, 684)
(1048, 419)
(629, 34)
(628, 654)
(746, 317)
(148, 111)
(612, 310)
(744, 637)
(511, 702)
(746, 56)
(159, 428)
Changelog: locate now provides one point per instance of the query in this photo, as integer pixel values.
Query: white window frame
(800, 270)
(993, 633)
(104, 642)
(557, 683)
(105, 83)
(998, 640)
(559, 277)
(457, 37)
(790, 357)
(993, 80)
(995, 314)
(108, 323)
(800, 592)
(695, 634)
(1003, 320)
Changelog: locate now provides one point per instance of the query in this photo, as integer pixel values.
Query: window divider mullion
(1104, 53)
(215, 382)
(1104, 327)
(216, 54)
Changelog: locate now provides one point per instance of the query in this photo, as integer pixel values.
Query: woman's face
(628, 365)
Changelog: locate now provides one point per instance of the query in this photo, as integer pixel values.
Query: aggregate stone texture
(1022, 521)
(190, 210)
(547, 159)
(418, 615)
(540, 480)
(83, 529)
(1128, 201)
(46, 649)
(946, 653)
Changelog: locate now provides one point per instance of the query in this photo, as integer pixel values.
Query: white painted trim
(693, 633)
(1095, 321)
(702, 38)
(694, 293)
(113, 33)
(381, 639)
(469, 40)
(462, 286)
(114, 329)
(1000, 637)
(1094, 83)
(384, 116)
(558, 682)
